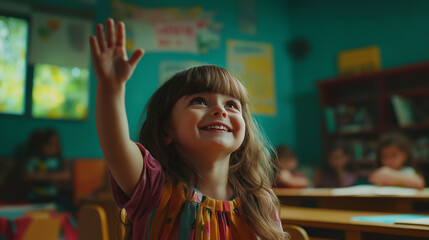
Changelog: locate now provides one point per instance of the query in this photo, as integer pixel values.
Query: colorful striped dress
(161, 210)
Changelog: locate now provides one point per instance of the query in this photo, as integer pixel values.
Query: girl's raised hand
(109, 56)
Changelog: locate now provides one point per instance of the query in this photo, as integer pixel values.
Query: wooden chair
(92, 223)
(296, 232)
(89, 175)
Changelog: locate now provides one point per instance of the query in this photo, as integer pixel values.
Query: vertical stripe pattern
(198, 217)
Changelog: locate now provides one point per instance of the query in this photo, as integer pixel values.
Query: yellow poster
(252, 63)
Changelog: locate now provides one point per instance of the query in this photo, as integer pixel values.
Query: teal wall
(399, 28)
(79, 138)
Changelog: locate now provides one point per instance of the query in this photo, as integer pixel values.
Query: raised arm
(113, 69)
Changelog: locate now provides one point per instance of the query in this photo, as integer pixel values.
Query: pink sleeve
(278, 220)
(148, 191)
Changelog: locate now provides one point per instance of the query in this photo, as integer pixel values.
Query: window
(58, 65)
(60, 92)
(13, 64)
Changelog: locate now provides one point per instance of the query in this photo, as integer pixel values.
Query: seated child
(395, 163)
(336, 170)
(288, 177)
(39, 173)
(46, 171)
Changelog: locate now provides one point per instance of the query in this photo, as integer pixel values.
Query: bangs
(208, 78)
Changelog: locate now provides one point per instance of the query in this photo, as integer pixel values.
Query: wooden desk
(324, 198)
(337, 224)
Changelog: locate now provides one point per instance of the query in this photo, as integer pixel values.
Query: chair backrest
(88, 176)
(296, 232)
(92, 223)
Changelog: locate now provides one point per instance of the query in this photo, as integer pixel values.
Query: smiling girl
(200, 169)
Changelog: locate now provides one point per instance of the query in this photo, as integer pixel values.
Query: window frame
(29, 67)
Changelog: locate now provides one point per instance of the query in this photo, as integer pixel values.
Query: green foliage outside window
(60, 92)
(13, 52)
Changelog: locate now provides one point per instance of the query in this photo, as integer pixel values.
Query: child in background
(47, 175)
(287, 163)
(40, 174)
(336, 170)
(395, 163)
(46, 171)
(200, 169)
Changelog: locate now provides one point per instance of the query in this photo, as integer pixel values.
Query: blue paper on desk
(388, 218)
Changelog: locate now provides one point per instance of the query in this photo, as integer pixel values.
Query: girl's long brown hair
(251, 168)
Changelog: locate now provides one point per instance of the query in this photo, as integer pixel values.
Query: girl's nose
(219, 112)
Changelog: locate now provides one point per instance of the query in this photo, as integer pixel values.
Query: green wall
(399, 28)
(79, 138)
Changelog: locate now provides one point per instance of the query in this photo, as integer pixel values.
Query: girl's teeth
(217, 127)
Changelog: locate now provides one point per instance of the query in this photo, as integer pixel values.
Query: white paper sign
(60, 40)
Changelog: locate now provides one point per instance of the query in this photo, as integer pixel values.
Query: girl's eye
(198, 101)
(231, 104)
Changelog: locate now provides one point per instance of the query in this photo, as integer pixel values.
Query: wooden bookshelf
(360, 108)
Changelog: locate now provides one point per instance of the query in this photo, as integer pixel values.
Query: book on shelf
(347, 118)
(330, 119)
(403, 110)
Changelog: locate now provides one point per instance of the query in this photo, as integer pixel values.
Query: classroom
(339, 92)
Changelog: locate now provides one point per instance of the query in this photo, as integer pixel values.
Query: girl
(395, 163)
(288, 177)
(336, 170)
(200, 169)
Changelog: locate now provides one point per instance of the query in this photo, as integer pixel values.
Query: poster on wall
(171, 29)
(169, 68)
(60, 40)
(172, 37)
(252, 62)
(247, 16)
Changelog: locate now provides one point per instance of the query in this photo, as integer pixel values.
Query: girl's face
(338, 159)
(207, 121)
(393, 157)
(52, 147)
